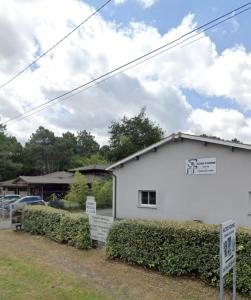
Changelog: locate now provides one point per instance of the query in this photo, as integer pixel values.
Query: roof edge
(177, 136)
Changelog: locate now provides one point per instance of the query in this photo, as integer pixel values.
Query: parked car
(19, 204)
(28, 200)
(5, 202)
(9, 198)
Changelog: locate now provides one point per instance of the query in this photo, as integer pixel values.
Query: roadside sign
(90, 205)
(100, 226)
(227, 254)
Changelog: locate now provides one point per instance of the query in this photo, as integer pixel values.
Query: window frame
(249, 203)
(140, 204)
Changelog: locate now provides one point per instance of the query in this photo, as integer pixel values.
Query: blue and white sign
(227, 254)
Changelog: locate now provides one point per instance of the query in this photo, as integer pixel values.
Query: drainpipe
(114, 194)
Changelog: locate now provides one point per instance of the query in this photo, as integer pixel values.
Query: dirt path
(117, 280)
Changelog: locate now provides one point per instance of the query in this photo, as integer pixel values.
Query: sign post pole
(221, 268)
(234, 272)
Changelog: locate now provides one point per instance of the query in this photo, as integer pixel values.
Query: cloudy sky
(198, 87)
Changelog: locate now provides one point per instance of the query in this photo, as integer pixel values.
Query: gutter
(114, 194)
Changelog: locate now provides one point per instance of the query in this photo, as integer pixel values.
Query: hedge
(173, 248)
(58, 225)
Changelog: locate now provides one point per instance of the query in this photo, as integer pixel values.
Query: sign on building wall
(201, 166)
(227, 254)
(90, 205)
(100, 226)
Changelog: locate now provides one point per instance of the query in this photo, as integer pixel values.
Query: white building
(185, 177)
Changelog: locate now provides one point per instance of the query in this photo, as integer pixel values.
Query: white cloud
(119, 1)
(225, 123)
(147, 3)
(100, 46)
(144, 3)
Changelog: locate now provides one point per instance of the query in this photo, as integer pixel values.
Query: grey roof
(90, 168)
(7, 183)
(51, 178)
(176, 137)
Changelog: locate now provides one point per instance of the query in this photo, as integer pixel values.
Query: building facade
(185, 178)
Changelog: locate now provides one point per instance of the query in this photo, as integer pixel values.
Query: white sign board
(201, 166)
(100, 226)
(90, 206)
(228, 255)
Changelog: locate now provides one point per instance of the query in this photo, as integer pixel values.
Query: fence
(5, 215)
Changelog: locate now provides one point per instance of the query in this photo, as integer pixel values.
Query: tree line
(45, 152)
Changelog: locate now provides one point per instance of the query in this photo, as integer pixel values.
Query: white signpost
(201, 166)
(227, 254)
(100, 226)
(90, 205)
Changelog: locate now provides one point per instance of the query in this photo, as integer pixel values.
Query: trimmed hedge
(58, 225)
(173, 248)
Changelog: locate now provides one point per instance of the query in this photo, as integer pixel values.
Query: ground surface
(33, 267)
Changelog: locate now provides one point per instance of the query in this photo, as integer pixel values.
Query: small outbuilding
(185, 177)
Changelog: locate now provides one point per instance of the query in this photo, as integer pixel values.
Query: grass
(35, 268)
(22, 281)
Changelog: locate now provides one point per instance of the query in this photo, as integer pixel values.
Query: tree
(79, 190)
(40, 152)
(95, 159)
(132, 134)
(102, 190)
(104, 151)
(10, 156)
(64, 150)
(86, 144)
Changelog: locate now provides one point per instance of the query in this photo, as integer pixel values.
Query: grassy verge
(22, 281)
(34, 267)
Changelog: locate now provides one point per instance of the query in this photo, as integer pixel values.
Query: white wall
(211, 198)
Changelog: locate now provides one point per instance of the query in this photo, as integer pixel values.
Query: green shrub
(102, 190)
(58, 225)
(64, 204)
(174, 248)
(79, 190)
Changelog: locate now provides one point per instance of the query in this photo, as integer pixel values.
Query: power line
(135, 62)
(45, 107)
(102, 77)
(54, 46)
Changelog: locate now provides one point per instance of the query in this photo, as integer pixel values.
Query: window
(147, 198)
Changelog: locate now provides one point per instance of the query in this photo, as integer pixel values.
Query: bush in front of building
(102, 191)
(78, 190)
(58, 225)
(188, 249)
(64, 204)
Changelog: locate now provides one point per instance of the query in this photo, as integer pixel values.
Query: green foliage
(173, 248)
(10, 156)
(58, 225)
(132, 134)
(79, 190)
(94, 159)
(64, 204)
(53, 197)
(86, 144)
(102, 190)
